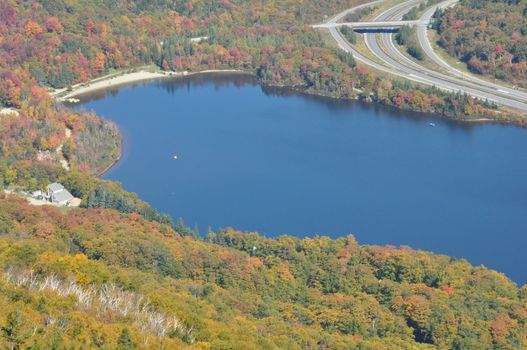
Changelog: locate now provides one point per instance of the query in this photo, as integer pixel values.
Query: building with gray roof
(58, 195)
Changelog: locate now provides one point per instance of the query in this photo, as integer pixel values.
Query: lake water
(275, 162)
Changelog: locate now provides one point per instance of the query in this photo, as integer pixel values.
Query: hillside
(236, 290)
(117, 274)
(490, 36)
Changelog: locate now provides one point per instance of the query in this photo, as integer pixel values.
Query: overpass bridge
(373, 25)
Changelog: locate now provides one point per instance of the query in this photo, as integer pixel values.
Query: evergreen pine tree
(11, 332)
(125, 341)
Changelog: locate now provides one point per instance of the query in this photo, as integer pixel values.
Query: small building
(38, 194)
(58, 195)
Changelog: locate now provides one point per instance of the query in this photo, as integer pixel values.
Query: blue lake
(277, 162)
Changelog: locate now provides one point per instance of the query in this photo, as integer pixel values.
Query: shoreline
(120, 79)
(112, 163)
(130, 76)
(478, 120)
(126, 78)
(123, 79)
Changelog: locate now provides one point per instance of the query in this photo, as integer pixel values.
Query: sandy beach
(123, 79)
(108, 81)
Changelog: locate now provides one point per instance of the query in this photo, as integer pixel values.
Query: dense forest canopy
(490, 36)
(236, 290)
(118, 274)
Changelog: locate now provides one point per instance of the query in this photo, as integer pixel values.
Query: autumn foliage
(230, 290)
(490, 36)
(244, 291)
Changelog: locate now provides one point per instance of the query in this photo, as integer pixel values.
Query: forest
(117, 274)
(489, 36)
(97, 278)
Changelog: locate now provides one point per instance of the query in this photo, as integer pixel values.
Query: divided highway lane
(429, 51)
(410, 69)
(387, 52)
(344, 45)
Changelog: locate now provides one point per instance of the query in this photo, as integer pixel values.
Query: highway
(393, 55)
(391, 60)
(429, 51)
(344, 45)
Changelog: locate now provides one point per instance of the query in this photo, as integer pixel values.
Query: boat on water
(432, 124)
(175, 157)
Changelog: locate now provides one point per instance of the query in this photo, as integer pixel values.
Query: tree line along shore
(228, 290)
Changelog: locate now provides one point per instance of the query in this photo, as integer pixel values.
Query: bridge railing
(370, 25)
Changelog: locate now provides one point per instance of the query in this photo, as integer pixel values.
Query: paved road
(392, 61)
(472, 84)
(343, 44)
(427, 48)
(383, 47)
